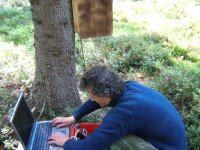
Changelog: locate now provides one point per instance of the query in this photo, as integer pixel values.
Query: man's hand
(58, 139)
(62, 121)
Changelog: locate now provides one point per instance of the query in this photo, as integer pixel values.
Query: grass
(154, 41)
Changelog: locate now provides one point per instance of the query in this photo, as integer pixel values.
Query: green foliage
(154, 41)
(8, 144)
(15, 67)
(191, 119)
(179, 52)
(6, 139)
(174, 9)
(16, 26)
(183, 54)
(96, 116)
(52, 114)
(178, 83)
(5, 103)
(16, 64)
(80, 59)
(5, 100)
(122, 27)
(197, 2)
(181, 84)
(134, 51)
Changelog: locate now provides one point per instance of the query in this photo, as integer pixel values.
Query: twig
(41, 112)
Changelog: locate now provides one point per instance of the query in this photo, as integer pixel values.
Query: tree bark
(55, 81)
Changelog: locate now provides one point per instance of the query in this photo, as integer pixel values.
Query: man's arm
(105, 135)
(83, 110)
(87, 107)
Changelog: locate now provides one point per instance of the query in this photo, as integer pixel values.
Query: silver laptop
(33, 135)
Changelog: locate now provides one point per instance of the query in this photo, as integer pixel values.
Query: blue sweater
(139, 110)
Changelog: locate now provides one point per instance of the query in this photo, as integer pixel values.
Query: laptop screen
(22, 120)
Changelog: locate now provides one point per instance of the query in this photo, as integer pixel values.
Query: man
(136, 110)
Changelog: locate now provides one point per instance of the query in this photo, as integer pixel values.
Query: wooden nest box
(93, 18)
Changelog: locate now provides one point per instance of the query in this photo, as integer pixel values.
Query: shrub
(16, 26)
(178, 83)
(191, 118)
(155, 58)
(180, 52)
(133, 51)
(181, 84)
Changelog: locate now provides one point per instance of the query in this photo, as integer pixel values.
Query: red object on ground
(90, 127)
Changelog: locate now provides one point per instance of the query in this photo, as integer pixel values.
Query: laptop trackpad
(64, 130)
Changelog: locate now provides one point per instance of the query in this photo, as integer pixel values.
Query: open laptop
(33, 135)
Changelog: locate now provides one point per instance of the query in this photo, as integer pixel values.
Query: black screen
(23, 120)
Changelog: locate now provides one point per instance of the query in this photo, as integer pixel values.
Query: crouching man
(139, 118)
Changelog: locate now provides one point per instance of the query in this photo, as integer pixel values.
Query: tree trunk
(55, 81)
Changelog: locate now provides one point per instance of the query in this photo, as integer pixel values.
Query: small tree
(55, 81)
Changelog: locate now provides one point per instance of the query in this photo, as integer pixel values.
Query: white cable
(81, 131)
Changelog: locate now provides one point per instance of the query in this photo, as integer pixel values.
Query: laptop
(33, 135)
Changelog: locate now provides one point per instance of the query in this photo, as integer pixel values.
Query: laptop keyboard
(41, 138)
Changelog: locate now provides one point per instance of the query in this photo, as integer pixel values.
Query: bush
(191, 118)
(182, 53)
(155, 58)
(178, 83)
(16, 26)
(133, 51)
(181, 84)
